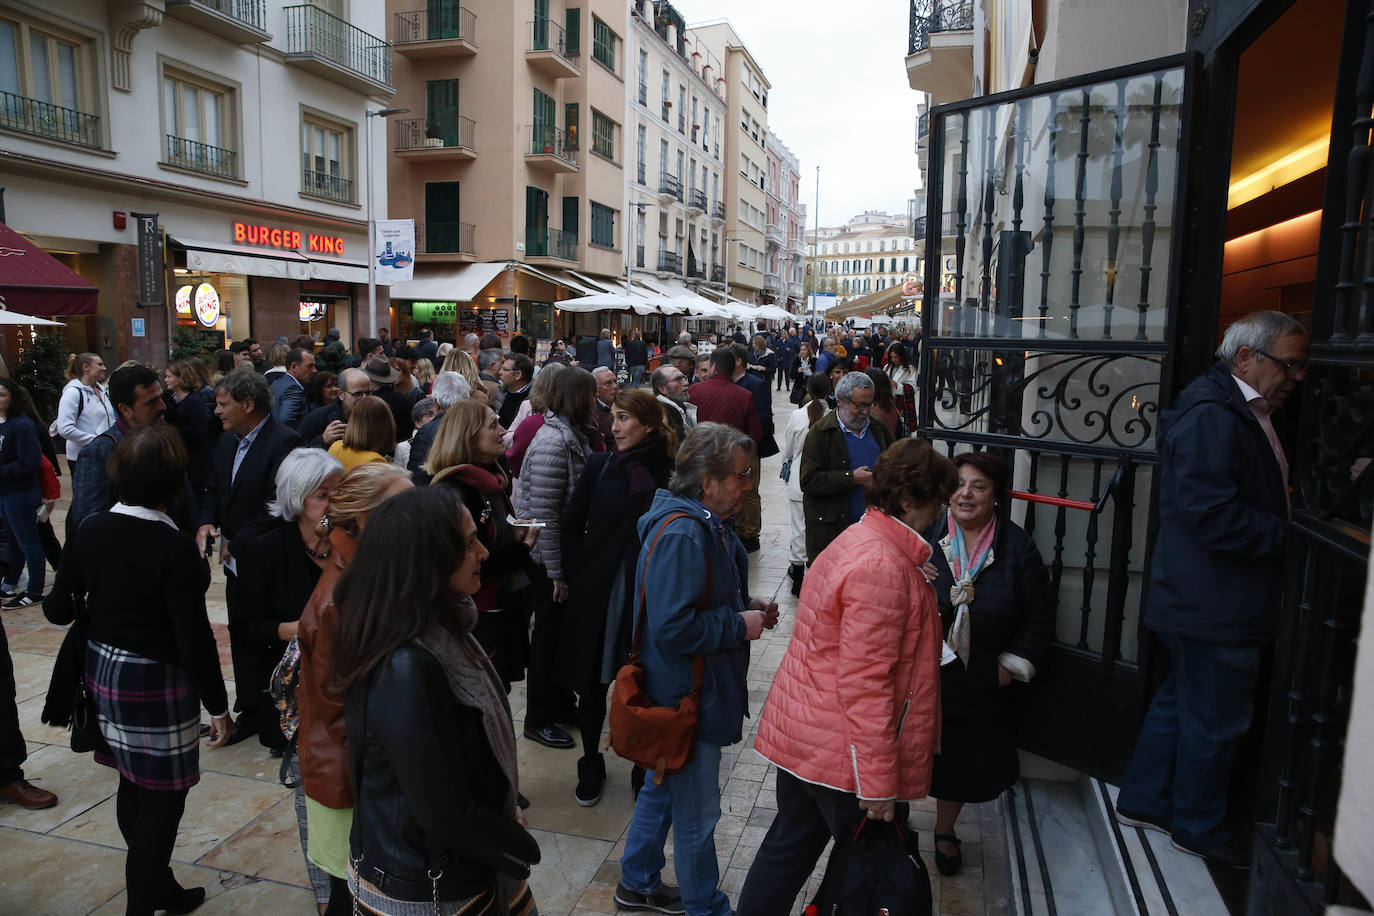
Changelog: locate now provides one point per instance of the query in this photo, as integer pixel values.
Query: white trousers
(797, 546)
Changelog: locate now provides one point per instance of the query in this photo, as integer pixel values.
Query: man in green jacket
(837, 461)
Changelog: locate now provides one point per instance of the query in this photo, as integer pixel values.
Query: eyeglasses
(746, 475)
(862, 408)
(1289, 365)
(359, 394)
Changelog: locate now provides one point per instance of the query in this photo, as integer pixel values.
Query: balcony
(330, 187)
(940, 50)
(718, 273)
(772, 234)
(718, 211)
(696, 200)
(796, 245)
(794, 290)
(669, 187)
(918, 230)
(550, 243)
(446, 238)
(549, 51)
(669, 262)
(923, 131)
(202, 157)
(243, 22)
(697, 271)
(43, 119)
(334, 48)
(448, 137)
(442, 29)
(551, 149)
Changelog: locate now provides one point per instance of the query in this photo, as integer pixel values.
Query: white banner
(394, 258)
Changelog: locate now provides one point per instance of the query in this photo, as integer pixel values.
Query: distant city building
(871, 252)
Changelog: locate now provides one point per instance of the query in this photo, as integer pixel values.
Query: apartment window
(640, 139)
(844, 267)
(571, 120)
(603, 135)
(666, 104)
(882, 246)
(328, 164)
(705, 122)
(663, 157)
(197, 119)
(906, 264)
(603, 226)
(681, 109)
(643, 77)
(881, 266)
(868, 286)
(45, 84)
(695, 126)
(868, 263)
(603, 44)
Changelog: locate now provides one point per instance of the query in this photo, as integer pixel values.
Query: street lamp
(371, 224)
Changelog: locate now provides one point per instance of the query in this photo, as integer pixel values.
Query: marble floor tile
(33, 728)
(42, 640)
(568, 864)
(268, 847)
(32, 674)
(248, 758)
(48, 875)
(218, 807)
(79, 782)
(547, 778)
(229, 894)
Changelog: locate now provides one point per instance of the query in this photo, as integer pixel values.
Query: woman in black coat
(806, 364)
(600, 548)
(997, 607)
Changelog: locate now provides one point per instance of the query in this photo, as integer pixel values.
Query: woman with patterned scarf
(997, 606)
(600, 546)
(436, 829)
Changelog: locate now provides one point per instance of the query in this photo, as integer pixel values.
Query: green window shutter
(603, 43)
(570, 216)
(540, 38)
(573, 24)
(441, 216)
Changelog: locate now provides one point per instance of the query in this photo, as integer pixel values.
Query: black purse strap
(703, 602)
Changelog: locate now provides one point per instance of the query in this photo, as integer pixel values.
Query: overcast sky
(840, 98)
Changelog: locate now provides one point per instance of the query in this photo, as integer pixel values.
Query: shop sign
(184, 300)
(207, 305)
(277, 237)
(151, 275)
(312, 311)
(395, 254)
(434, 312)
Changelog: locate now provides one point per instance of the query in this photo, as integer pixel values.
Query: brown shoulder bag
(657, 738)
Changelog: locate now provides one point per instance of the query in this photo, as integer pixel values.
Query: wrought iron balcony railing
(670, 261)
(323, 184)
(439, 131)
(718, 273)
(190, 154)
(718, 212)
(547, 35)
(446, 238)
(249, 12)
(44, 119)
(670, 184)
(918, 231)
(697, 270)
(550, 243)
(697, 200)
(937, 16)
(550, 141)
(922, 129)
(319, 33)
(438, 22)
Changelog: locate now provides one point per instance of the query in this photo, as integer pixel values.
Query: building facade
(746, 159)
(510, 159)
(872, 252)
(674, 184)
(784, 227)
(242, 126)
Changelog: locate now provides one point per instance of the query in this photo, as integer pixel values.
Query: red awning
(34, 282)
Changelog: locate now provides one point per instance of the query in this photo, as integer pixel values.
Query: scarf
(474, 683)
(965, 567)
(637, 462)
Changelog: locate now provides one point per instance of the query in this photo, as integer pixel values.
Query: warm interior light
(1302, 161)
(1277, 231)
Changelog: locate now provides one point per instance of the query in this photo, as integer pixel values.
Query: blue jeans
(20, 509)
(636, 376)
(689, 803)
(1181, 767)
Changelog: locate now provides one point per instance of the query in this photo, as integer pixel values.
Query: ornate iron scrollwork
(1334, 468)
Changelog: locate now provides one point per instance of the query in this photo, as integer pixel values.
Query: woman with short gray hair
(279, 563)
(709, 451)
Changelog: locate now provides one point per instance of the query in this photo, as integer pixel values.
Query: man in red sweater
(720, 400)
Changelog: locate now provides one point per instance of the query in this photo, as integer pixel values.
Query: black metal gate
(1295, 870)
(1048, 319)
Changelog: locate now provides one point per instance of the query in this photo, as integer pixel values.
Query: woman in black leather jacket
(431, 745)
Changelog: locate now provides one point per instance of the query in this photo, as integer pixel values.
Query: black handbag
(86, 736)
(876, 868)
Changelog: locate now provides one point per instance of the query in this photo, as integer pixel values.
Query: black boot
(796, 571)
(591, 776)
(636, 780)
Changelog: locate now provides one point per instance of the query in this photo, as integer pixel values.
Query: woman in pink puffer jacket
(852, 721)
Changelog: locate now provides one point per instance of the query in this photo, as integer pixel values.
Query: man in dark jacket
(837, 461)
(324, 426)
(242, 481)
(719, 400)
(136, 394)
(636, 357)
(517, 370)
(749, 518)
(289, 402)
(1216, 582)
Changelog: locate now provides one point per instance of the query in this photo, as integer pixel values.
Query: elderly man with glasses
(324, 426)
(837, 462)
(1216, 582)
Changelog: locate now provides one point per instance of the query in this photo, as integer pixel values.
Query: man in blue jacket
(676, 566)
(1216, 582)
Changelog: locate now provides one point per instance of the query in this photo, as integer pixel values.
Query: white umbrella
(616, 302)
(8, 317)
(774, 313)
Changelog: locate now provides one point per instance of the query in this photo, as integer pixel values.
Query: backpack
(875, 869)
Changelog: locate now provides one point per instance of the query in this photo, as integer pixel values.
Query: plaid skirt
(368, 899)
(149, 714)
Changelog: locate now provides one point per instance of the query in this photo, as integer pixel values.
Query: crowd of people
(427, 525)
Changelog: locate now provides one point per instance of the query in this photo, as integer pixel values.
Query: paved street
(239, 835)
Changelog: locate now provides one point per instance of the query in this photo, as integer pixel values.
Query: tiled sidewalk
(239, 837)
